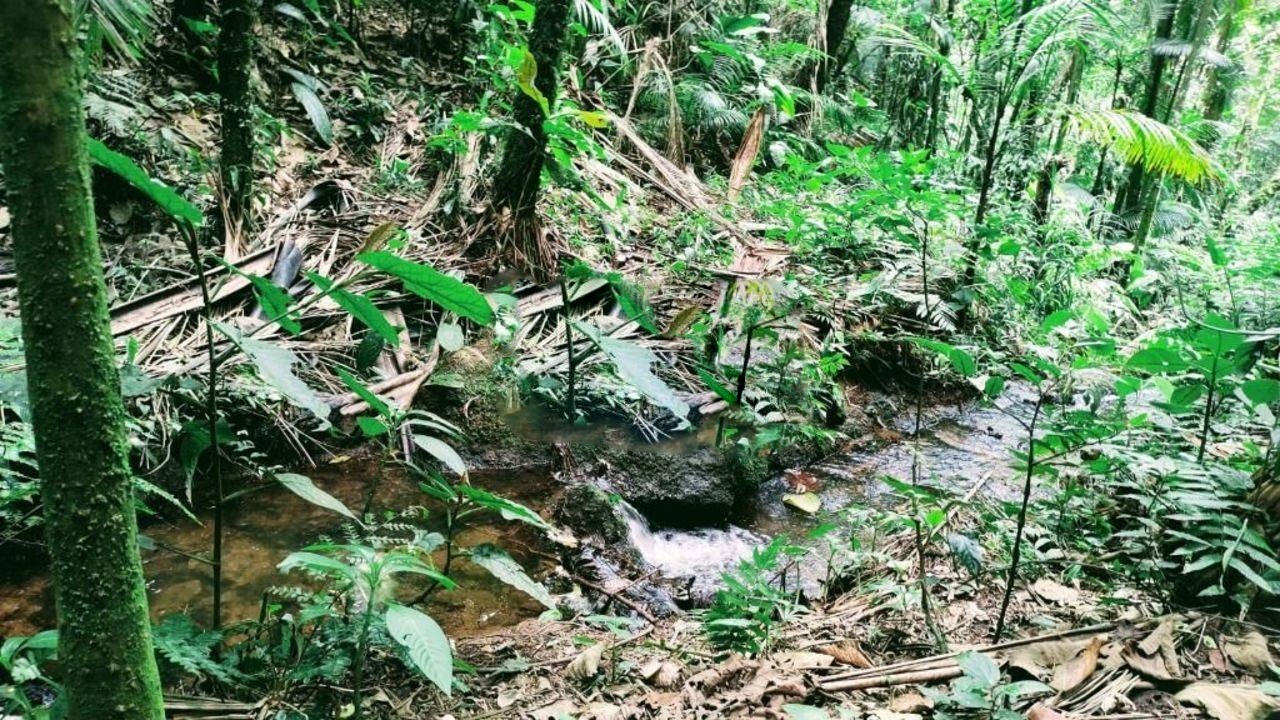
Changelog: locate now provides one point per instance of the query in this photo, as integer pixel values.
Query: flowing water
(960, 448)
(701, 555)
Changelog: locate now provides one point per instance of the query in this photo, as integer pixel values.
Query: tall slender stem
(1022, 516)
(742, 383)
(1205, 427)
(362, 643)
(571, 401)
(211, 417)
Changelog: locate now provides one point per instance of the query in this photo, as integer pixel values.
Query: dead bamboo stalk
(892, 679)
(906, 664)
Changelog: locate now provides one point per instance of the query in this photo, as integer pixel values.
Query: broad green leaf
(169, 201)
(594, 118)
(317, 564)
(304, 88)
(633, 363)
(1056, 320)
(302, 486)
(426, 642)
(967, 551)
(508, 509)
(715, 386)
(450, 337)
(195, 441)
(275, 303)
(1216, 254)
(632, 302)
(979, 667)
(502, 566)
(934, 517)
(353, 384)
(371, 426)
(359, 307)
(441, 451)
(960, 360)
(449, 293)
(1262, 391)
(1157, 360)
(275, 367)
(526, 69)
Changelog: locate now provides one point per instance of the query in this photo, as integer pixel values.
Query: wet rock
(690, 490)
(588, 510)
(618, 576)
(470, 394)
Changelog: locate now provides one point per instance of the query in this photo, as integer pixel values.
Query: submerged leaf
(302, 486)
(441, 451)
(502, 566)
(808, 502)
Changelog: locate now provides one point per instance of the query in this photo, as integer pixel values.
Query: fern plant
(743, 616)
(1145, 140)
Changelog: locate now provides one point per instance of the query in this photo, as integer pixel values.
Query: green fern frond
(123, 24)
(594, 15)
(1140, 139)
(899, 39)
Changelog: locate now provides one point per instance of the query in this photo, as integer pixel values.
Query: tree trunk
(105, 653)
(518, 182)
(1134, 190)
(1222, 81)
(837, 24)
(519, 177)
(235, 66)
(937, 106)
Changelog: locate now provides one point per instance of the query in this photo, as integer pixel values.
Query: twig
(617, 595)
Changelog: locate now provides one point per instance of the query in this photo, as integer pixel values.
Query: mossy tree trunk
(235, 93)
(105, 652)
(838, 15)
(518, 182)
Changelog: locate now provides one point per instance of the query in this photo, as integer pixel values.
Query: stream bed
(959, 447)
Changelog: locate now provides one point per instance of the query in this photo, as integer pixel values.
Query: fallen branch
(185, 296)
(622, 599)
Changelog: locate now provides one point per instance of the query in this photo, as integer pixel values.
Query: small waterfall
(702, 554)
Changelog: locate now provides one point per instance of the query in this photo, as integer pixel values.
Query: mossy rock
(587, 510)
(475, 399)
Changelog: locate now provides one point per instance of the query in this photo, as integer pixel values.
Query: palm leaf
(594, 15)
(125, 24)
(1140, 139)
